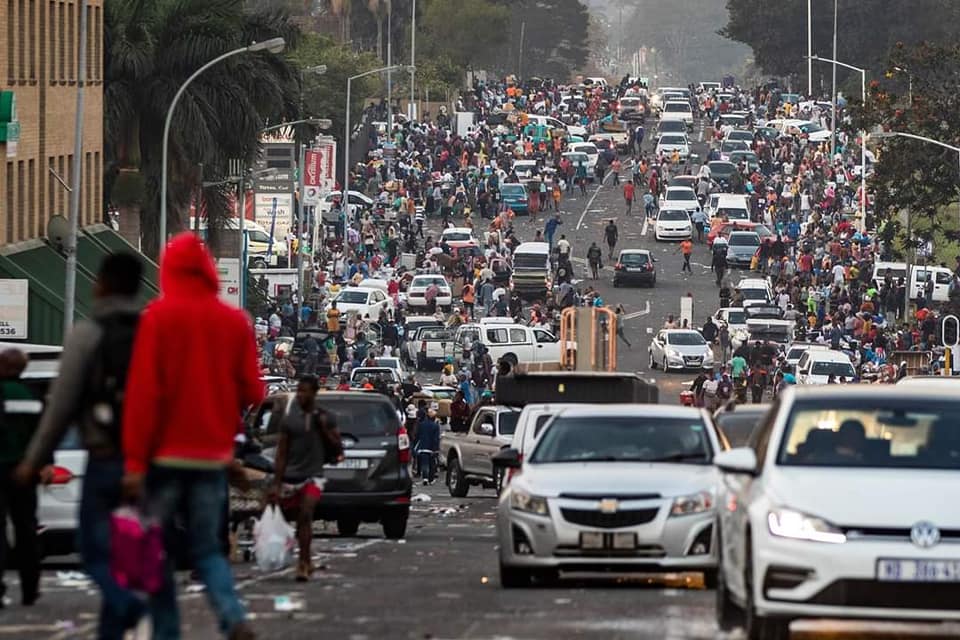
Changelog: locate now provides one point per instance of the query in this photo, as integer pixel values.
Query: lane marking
(646, 225)
(590, 201)
(637, 314)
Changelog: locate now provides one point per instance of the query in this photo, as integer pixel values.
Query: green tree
(465, 32)
(914, 176)
(555, 37)
(152, 46)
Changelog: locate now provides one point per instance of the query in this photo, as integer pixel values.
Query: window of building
(32, 51)
(61, 171)
(31, 198)
(10, 201)
(11, 42)
(52, 185)
(21, 200)
(97, 39)
(62, 41)
(71, 43)
(87, 190)
(97, 181)
(21, 41)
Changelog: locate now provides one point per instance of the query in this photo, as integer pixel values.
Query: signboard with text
(228, 271)
(320, 172)
(274, 210)
(14, 296)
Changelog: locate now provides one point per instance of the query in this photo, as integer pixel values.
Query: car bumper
(642, 277)
(442, 301)
(841, 581)
(518, 207)
(673, 233)
(664, 544)
(739, 261)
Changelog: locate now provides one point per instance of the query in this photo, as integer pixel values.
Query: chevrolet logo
(609, 505)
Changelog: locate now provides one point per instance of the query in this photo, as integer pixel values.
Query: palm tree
(151, 48)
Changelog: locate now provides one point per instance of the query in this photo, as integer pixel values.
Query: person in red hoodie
(192, 372)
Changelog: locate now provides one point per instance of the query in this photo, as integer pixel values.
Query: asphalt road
(441, 582)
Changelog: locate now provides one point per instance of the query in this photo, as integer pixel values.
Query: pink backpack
(136, 551)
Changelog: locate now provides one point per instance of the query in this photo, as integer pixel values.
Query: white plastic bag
(273, 540)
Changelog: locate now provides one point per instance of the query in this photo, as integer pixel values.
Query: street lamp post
(273, 45)
(913, 136)
(413, 59)
(345, 192)
(863, 135)
(809, 49)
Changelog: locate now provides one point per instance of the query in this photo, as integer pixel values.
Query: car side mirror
(486, 429)
(740, 460)
(507, 459)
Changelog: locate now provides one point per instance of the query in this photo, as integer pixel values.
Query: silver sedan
(611, 488)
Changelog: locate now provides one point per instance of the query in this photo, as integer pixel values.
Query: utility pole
(389, 83)
(413, 59)
(523, 29)
(810, 49)
(70, 284)
(833, 93)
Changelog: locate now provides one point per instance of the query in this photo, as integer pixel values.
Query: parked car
(680, 349)
(836, 509)
(372, 483)
(614, 487)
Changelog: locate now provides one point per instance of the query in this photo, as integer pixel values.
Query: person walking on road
(699, 219)
(88, 393)
(615, 167)
(193, 370)
(309, 439)
(428, 444)
(611, 234)
(594, 256)
(628, 196)
(550, 228)
(620, 333)
(686, 248)
(649, 204)
(719, 264)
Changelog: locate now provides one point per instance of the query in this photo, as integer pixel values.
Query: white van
(531, 270)
(260, 254)
(506, 340)
(817, 365)
(733, 206)
(919, 276)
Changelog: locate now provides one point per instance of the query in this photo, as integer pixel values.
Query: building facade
(39, 65)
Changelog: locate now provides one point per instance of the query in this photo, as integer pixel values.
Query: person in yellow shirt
(333, 318)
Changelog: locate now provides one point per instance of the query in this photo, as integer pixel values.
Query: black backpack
(109, 376)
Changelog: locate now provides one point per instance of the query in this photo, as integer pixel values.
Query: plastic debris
(288, 603)
(421, 497)
(72, 579)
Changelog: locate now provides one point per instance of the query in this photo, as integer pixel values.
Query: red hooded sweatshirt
(193, 369)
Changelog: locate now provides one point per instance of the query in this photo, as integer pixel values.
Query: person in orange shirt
(469, 297)
(686, 248)
(557, 194)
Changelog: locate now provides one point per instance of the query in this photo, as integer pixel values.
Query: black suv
(373, 483)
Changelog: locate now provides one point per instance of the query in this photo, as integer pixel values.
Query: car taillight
(618, 267)
(61, 475)
(649, 266)
(423, 346)
(403, 444)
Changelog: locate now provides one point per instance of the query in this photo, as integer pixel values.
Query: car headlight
(673, 353)
(787, 523)
(693, 503)
(529, 503)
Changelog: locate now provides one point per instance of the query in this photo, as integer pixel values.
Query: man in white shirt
(839, 274)
(563, 247)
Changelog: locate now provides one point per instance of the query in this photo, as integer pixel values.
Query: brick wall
(39, 62)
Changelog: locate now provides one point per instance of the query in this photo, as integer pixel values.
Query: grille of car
(593, 518)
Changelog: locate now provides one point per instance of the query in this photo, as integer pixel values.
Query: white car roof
(638, 410)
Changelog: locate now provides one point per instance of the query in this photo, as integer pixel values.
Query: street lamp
(863, 135)
(913, 136)
(345, 192)
(273, 45)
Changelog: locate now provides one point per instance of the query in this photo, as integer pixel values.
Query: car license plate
(350, 463)
(897, 570)
(635, 269)
(595, 540)
(591, 540)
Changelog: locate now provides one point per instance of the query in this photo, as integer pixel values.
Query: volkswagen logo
(925, 534)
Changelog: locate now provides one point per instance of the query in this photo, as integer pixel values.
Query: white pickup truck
(515, 343)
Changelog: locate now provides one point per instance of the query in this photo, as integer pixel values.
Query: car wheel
(394, 523)
(498, 481)
(511, 358)
(347, 526)
(514, 577)
(456, 482)
(653, 363)
(710, 579)
(759, 627)
(728, 614)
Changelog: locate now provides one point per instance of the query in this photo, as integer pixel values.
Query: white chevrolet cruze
(842, 506)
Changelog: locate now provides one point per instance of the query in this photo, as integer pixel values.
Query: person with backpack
(193, 370)
(88, 392)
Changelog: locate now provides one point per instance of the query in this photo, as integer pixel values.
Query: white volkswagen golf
(843, 506)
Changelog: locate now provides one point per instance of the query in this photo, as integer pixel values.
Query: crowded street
(604, 326)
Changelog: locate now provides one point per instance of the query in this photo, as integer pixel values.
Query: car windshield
(588, 149)
(838, 369)
(721, 168)
(623, 439)
(512, 190)
(681, 194)
(754, 294)
(352, 297)
(672, 125)
(634, 259)
(670, 215)
(363, 419)
(435, 334)
(426, 281)
(530, 261)
(737, 425)
(733, 145)
(732, 213)
(686, 338)
(811, 127)
(744, 240)
(676, 106)
(673, 140)
(736, 317)
(902, 433)
(456, 236)
(762, 230)
(508, 422)
(443, 394)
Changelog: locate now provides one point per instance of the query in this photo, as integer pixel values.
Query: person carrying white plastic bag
(273, 540)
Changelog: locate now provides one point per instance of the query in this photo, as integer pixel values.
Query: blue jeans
(201, 494)
(427, 464)
(120, 609)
